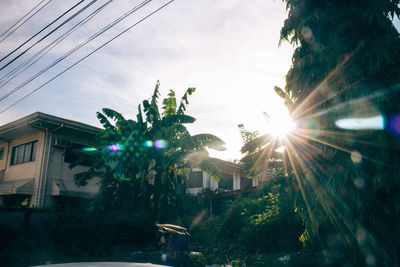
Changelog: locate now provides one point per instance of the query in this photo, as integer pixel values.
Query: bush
(262, 223)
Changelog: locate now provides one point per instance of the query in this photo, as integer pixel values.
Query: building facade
(233, 179)
(35, 153)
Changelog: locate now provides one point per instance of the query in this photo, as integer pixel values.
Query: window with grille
(195, 179)
(226, 182)
(24, 153)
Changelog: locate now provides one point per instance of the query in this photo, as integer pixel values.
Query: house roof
(43, 121)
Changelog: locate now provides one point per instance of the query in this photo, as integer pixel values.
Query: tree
(346, 65)
(142, 163)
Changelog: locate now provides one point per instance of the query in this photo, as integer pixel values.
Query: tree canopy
(143, 162)
(346, 64)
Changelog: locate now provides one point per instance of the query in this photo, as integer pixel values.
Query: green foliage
(247, 136)
(185, 101)
(346, 64)
(142, 163)
(261, 223)
(169, 104)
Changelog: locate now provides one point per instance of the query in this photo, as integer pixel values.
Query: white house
(35, 152)
(233, 178)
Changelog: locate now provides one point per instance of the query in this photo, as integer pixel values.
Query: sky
(227, 49)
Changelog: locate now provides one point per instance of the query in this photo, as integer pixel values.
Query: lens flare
(115, 147)
(160, 144)
(148, 143)
(393, 125)
(355, 157)
(89, 149)
(371, 123)
(281, 126)
(280, 149)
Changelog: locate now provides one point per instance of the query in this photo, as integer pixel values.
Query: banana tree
(146, 160)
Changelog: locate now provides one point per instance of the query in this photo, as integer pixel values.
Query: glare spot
(307, 34)
(359, 182)
(115, 148)
(148, 143)
(281, 127)
(393, 125)
(372, 123)
(280, 149)
(160, 144)
(361, 235)
(89, 149)
(370, 260)
(355, 157)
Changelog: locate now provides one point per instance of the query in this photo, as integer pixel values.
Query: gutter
(40, 190)
(15, 127)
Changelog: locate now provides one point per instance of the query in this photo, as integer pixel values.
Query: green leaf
(209, 167)
(256, 143)
(104, 121)
(208, 140)
(169, 104)
(185, 101)
(280, 92)
(176, 118)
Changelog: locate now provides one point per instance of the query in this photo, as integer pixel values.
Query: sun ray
(326, 202)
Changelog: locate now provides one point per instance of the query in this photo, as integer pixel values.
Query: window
(23, 153)
(1, 152)
(245, 183)
(195, 179)
(226, 182)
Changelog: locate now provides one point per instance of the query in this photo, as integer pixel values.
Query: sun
(280, 125)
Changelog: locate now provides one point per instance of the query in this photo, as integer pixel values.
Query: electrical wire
(24, 20)
(106, 28)
(91, 53)
(36, 57)
(51, 32)
(39, 32)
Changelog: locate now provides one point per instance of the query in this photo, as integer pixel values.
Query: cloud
(227, 49)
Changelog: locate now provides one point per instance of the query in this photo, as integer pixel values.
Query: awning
(69, 189)
(16, 187)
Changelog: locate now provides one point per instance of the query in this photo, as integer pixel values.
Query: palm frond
(176, 118)
(208, 140)
(185, 101)
(256, 143)
(104, 121)
(209, 167)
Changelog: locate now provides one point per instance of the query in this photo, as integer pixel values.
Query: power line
(24, 20)
(36, 34)
(106, 28)
(18, 21)
(91, 53)
(36, 57)
(44, 37)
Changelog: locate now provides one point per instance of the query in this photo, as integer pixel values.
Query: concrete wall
(26, 170)
(236, 180)
(23, 171)
(3, 161)
(60, 171)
